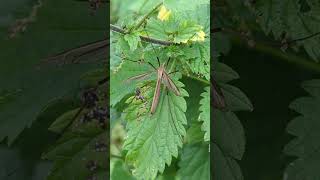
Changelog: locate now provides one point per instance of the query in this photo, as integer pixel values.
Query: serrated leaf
(154, 139)
(224, 167)
(228, 133)
(235, 98)
(133, 40)
(224, 73)
(73, 152)
(205, 113)
(195, 163)
(61, 122)
(22, 160)
(305, 146)
(200, 65)
(194, 133)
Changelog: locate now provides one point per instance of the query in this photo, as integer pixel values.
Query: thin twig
(143, 38)
(246, 37)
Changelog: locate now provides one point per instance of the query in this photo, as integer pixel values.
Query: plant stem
(143, 38)
(146, 17)
(197, 78)
(273, 48)
(288, 57)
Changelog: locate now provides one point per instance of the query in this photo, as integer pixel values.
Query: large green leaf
(73, 153)
(22, 161)
(228, 133)
(152, 140)
(183, 5)
(306, 145)
(205, 113)
(55, 29)
(195, 162)
(224, 167)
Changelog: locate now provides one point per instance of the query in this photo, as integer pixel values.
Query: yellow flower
(199, 36)
(164, 13)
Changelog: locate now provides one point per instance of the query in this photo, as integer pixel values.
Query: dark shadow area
(271, 84)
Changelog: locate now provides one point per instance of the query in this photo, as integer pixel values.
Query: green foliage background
(273, 46)
(174, 141)
(265, 57)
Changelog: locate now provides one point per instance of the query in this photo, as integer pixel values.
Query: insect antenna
(154, 50)
(173, 72)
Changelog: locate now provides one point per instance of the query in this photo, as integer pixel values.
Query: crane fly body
(162, 76)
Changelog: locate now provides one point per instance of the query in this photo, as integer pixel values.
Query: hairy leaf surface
(152, 140)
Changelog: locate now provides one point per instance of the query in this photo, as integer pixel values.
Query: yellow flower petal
(200, 36)
(164, 13)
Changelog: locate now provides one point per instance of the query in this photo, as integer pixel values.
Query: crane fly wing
(139, 77)
(170, 84)
(156, 94)
(90, 52)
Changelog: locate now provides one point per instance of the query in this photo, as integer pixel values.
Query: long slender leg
(173, 72)
(158, 61)
(152, 66)
(168, 61)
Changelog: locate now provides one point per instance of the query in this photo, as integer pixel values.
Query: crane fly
(162, 76)
(91, 52)
(218, 97)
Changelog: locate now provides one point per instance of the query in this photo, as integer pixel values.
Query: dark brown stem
(143, 38)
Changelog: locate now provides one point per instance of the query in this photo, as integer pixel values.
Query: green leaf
(61, 122)
(228, 133)
(183, 5)
(175, 29)
(224, 167)
(225, 73)
(305, 128)
(194, 133)
(152, 140)
(200, 65)
(15, 167)
(287, 16)
(133, 40)
(195, 162)
(119, 80)
(74, 151)
(120, 171)
(22, 160)
(235, 98)
(205, 113)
